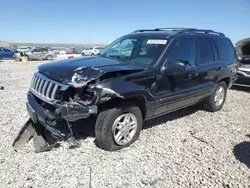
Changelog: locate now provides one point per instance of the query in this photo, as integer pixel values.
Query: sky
(84, 21)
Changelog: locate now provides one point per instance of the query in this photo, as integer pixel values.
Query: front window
(137, 50)
(182, 50)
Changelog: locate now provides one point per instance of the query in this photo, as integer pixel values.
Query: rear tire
(82, 54)
(217, 99)
(49, 58)
(106, 128)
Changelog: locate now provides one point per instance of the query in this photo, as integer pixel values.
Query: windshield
(137, 49)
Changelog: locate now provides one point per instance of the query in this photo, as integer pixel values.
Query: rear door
(208, 66)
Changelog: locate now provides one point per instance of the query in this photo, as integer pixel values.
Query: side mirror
(174, 67)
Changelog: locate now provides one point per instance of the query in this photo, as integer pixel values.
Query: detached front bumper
(58, 123)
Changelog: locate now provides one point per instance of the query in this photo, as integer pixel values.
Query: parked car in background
(58, 50)
(177, 68)
(77, 50)
(54, 49)
(6, 53)
(24, 49)
(91, 50)
(68, 51)
(61, 50)
(243, 53)
(40, 53)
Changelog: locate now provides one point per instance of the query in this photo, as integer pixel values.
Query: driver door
(175, 90)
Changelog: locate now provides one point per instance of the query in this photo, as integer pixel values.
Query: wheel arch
(139, 101)
(226, 79)
(224, 76)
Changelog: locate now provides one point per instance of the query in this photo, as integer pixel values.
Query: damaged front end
(54, 107)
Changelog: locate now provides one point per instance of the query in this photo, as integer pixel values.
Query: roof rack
(182, 30)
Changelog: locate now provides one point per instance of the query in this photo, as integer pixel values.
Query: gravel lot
(188, 148)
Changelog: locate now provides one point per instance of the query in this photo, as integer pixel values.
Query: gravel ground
(188, 148)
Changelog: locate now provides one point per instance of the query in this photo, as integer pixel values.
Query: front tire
(118, 127)
(217, 99)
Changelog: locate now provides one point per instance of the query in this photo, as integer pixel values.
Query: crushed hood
(79, 71)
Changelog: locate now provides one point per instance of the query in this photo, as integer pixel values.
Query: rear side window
(225, 48)
(204, 51)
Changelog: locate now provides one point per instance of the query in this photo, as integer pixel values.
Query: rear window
(225, 48)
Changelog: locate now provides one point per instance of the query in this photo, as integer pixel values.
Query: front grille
(46, 89)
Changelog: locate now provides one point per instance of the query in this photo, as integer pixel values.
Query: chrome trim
(45, 88)
(243, 74)
(54, 92)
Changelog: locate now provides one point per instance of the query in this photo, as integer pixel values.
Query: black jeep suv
(139, 76)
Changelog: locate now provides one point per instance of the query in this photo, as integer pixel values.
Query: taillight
(237, 65)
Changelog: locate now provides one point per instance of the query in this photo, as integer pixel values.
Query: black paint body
(162, 93)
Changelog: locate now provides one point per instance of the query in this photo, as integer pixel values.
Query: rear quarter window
(225, 48)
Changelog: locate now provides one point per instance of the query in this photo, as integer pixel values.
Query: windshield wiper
(115, 56)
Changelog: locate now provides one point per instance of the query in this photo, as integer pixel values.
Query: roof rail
(182, 30)
(142, 30)
(174, 28)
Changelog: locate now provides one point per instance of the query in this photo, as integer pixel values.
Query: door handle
(193, 75)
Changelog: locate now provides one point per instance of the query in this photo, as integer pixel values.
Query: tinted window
(182, 50)
(225, 48)
(204, 51)
(215, 50)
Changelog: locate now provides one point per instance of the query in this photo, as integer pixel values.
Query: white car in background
(23, 48)
(59, 50)
(91, 50)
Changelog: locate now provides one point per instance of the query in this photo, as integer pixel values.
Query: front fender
(125, 89)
